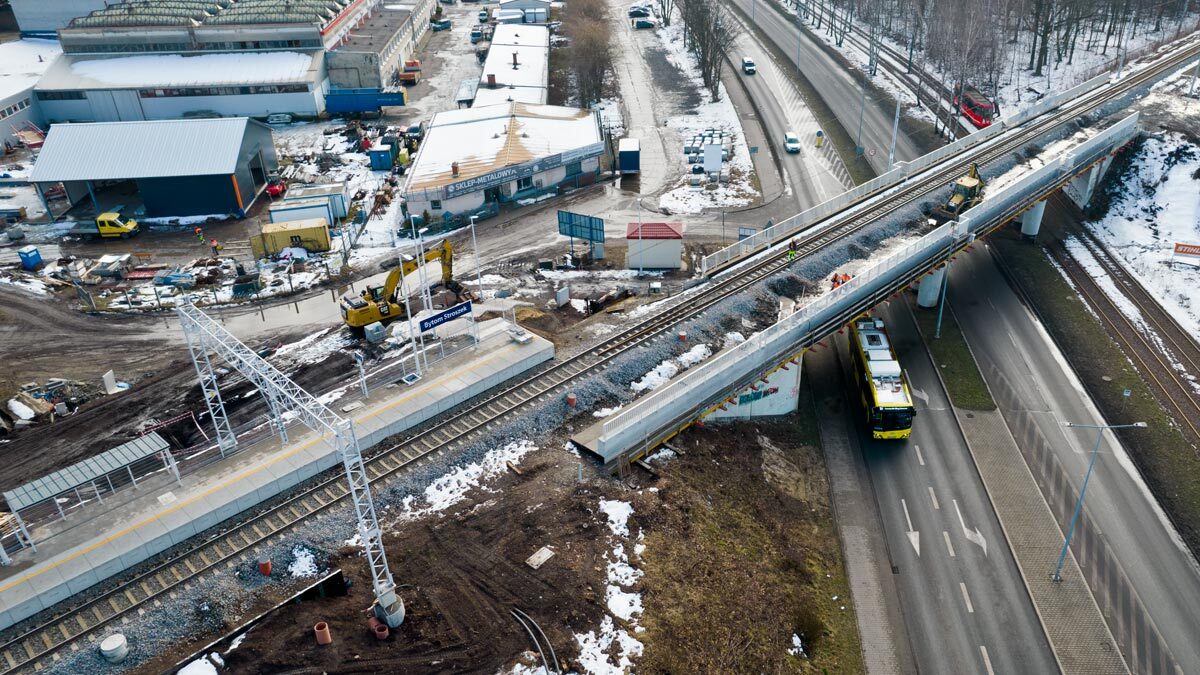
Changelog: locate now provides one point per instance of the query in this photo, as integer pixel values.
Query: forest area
(994, 44)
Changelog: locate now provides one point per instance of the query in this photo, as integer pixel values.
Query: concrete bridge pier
(1031, 220)
(930, 288)
(775, 394)
(1082, 187)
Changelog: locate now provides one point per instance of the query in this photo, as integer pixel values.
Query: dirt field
(739, 556)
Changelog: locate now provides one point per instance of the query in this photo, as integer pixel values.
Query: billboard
(580, 226)
(459, 310)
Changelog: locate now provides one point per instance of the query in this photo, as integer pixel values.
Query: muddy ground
(740, 555)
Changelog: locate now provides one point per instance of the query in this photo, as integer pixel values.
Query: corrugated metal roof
(82, 473)
(151, 149)
(654, 231)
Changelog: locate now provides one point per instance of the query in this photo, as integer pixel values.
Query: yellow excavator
(380, 303)
(967, 192)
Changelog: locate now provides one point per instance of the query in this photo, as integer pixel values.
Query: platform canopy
(83, 473)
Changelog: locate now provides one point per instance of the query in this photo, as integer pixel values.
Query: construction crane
(967, 192)
(381, 303)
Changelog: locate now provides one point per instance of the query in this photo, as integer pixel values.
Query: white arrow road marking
(973, 536)
(919, 457)
(913, 535)
(919, 393)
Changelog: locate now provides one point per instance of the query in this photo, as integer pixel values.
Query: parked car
(639, 11)
(276, 187)
(644, 23)
(748, 66)
(791, 142)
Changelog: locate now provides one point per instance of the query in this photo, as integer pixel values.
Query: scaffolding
(204, 335)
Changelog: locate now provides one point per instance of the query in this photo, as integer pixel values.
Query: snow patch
(605, 412)
(453, 487)
(304, 563)
(618, 513)
(20, 409)
(664, 371)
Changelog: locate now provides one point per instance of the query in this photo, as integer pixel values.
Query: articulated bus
(881, 382)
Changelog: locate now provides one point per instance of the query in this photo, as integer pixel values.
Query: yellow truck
(381, 303)
(108, 225)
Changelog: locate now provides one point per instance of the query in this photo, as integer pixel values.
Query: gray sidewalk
(1077, 632)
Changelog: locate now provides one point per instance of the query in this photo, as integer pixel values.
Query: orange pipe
(264, 567)
(321, 630)
(237, 191)
(381, 632)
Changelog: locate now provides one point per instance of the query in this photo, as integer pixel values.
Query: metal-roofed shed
(181, 167)
(90, 479)
(654, 246)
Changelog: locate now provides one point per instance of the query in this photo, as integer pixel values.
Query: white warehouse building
(517, 66)
(474, 159)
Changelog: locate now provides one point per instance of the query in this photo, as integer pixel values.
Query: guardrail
(776, 233)
(647, 421)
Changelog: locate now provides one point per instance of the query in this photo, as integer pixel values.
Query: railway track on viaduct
(41, 641)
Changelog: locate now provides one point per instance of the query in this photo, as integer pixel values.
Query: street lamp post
(1062, 557)
(475, 245)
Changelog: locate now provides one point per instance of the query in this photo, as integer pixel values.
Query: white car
(791, 142)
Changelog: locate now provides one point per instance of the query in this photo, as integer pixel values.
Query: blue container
(31, 259)
(382, 158)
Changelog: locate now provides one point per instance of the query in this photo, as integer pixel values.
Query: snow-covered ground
(1017, 87)
(596, 655)
(739, 191)
(1157, 207)
(669, 368)
(453, 487)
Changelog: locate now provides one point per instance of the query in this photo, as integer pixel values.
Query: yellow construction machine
(967, 192)
(381, 303)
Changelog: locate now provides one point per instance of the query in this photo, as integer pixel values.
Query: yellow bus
(882, 386)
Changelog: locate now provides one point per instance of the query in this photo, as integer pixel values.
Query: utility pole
(1062, 557)
(895, 131)
(862, 108)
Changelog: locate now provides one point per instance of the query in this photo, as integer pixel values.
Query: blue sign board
(580, 226)
(449, 315)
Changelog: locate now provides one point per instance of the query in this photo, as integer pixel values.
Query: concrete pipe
(321, 630)
(572, 400)
(114, 648)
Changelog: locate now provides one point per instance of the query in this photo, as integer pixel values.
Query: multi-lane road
(965, 607)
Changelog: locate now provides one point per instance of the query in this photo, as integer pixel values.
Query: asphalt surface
(838, 87)
(781, 109)
(1140, 572)
(966, 608)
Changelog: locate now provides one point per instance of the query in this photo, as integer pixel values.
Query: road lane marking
(949, 546)
(914, 537)
(973, 536)
(966, 598)
(987, 663)
(919, 457)
(933, 498)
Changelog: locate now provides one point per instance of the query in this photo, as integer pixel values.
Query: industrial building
(516, 69)
(41, 18)
(21, 64)
(533, 11)
(654, 246)
(172, 168)
(475, 157)
(136, 60)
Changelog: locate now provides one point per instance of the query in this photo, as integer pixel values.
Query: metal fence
(640, 424)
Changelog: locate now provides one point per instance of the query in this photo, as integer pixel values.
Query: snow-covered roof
(156, 71)
(483, 139)
(501, 95)
(22, 62)
(521, 35)
(654, 231)
(151, 149)
(516, 66)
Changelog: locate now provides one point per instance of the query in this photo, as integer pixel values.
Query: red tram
(975, 106)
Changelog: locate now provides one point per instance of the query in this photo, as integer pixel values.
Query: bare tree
(713, 32)
(665, 9)
(586, 22)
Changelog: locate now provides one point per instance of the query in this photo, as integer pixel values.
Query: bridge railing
(670, 407)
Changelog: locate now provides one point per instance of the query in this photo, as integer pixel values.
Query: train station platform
(77, 553)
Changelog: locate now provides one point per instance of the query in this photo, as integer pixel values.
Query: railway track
(41, 640)
(1154, 348)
